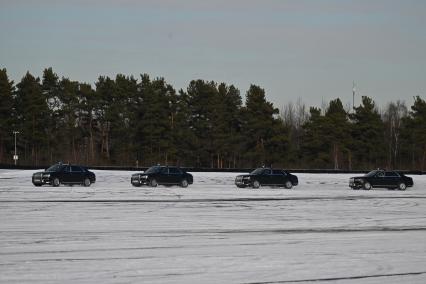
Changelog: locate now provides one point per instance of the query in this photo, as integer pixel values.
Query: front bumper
(39, 179)
(138, 181)
(355, 184)
(241, 182)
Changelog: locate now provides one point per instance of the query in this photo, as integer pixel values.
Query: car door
(76, 174)
(65, 175)
(163, 176)
(379, 179)
(266, 177)
(277, 177)
(392, 179)
(175, 175)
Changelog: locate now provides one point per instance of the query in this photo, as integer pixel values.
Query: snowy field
(211, 232)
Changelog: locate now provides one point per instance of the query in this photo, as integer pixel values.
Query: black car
(267, 176)
(163, 175)
(64, 174)
(381, 178)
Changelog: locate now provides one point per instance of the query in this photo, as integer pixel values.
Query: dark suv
(380, 178)
(163, 175)
(267, 176)
(64, 174)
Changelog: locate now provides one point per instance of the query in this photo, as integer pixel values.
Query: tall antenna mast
(353, 95)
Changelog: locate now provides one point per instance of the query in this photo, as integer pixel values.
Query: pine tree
(51, 91)
(6, 116)
(33, 116)
(337, 131)
(87, 122)
(368, 135)
(315, 149)
(260, 128)
(202, 99)
(414, 134)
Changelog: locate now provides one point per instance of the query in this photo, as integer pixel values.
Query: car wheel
(153, 183)
(402, 186)
(56, 182)
(86, 182)
(184, 183)
(256, 184)
(288, 184)
(367, 185)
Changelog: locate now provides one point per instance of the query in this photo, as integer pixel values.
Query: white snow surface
(211, 232)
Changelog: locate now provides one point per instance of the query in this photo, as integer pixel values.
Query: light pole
(15, 157)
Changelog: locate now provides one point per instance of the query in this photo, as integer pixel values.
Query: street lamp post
(15, 157)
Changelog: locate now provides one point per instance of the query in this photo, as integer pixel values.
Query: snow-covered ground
(210, 232)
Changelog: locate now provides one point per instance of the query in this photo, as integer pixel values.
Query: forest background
(124, 121)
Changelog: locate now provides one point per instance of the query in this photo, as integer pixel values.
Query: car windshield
(257, 171)
(372, 173)
(152, 170)
(55, 168)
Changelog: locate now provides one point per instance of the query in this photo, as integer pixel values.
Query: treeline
(139, 122)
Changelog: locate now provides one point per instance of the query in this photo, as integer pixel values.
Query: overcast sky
(311, 50)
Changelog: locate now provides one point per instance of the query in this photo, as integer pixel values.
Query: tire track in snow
(341, 278)
(205, 200)
(174, 232)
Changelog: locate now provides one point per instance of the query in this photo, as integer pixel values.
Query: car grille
(135, 179)
(37, 177)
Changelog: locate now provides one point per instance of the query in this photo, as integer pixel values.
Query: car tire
(256, 184)
(56, 182)
(184, 183)
(153, 182)
(288, 184)
(87, 182)
(367, 185)
(402, 186)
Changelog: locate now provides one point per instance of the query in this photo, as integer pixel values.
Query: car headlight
(144, 176)
(247, 178)
(46, 175)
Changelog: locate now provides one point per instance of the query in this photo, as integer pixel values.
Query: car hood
(43, 172)
(246, 175)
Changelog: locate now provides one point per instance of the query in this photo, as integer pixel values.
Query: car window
(371, 174)
(67, 169)
(391, 174)
(165, 170)
(55, 168)
(257, 171)
(76, 169)
(267, 172)
(277, 172)
(154, 169)
(174, 171)
(380, 174)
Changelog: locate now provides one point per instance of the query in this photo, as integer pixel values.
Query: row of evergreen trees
(130, 122)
